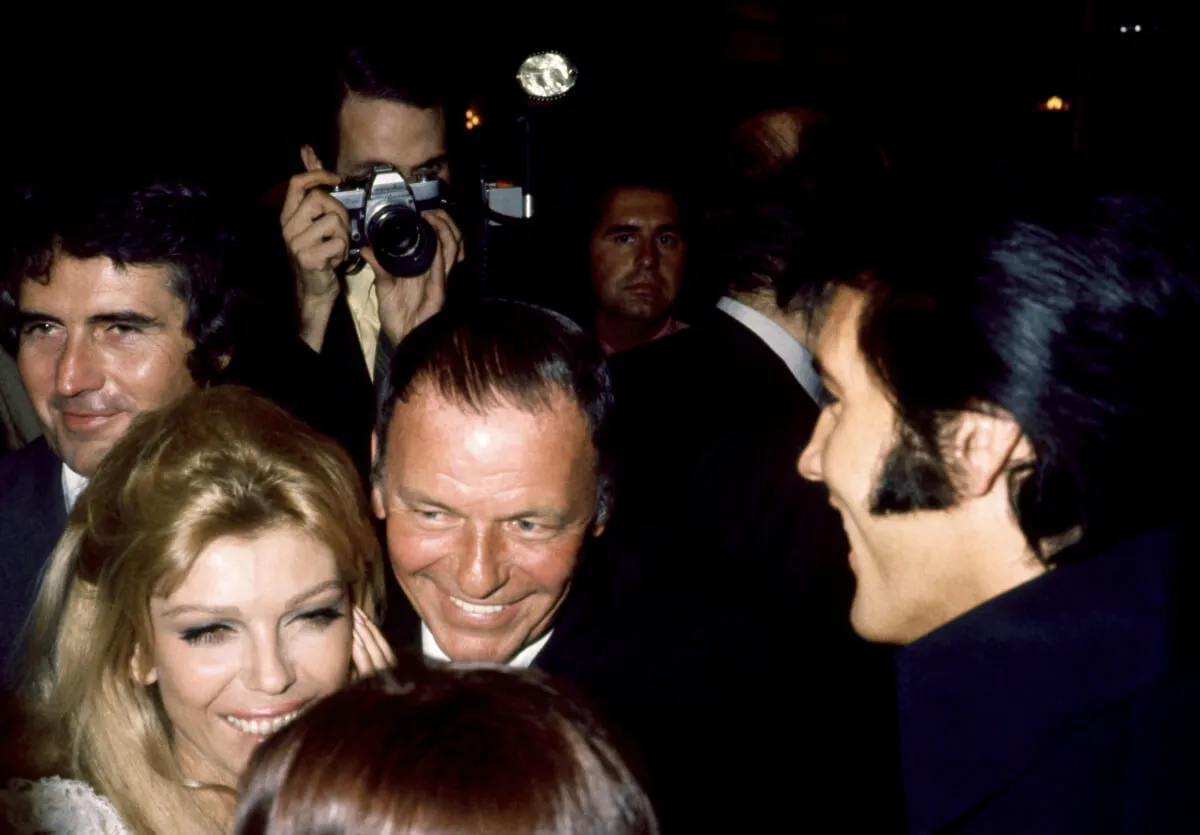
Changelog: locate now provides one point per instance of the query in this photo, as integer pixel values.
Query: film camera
(385, 215)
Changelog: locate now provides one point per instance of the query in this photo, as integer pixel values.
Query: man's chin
(83, 459)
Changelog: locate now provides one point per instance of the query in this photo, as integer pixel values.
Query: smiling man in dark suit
(493, 477)
(1004, 439)
(492, 470)
(118, 303)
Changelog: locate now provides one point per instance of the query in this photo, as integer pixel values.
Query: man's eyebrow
(548, 513)
(115, 317)
(27, 317)
(414, 497)
(233, 611)
(433, 162)
(622, 229)
(124, 317)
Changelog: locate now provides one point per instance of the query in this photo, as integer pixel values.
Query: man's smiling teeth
(475, 608)
(262, 727)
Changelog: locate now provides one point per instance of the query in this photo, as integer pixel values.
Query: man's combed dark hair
(1071, 311)
(172, 224)
(485, 353)
(412, 73)
(446, 751)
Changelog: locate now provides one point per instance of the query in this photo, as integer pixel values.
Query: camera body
(385, 215)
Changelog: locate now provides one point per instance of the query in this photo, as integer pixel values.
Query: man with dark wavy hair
(1008, 439)
(118, 302)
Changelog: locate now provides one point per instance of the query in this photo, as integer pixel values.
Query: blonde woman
(218, 576)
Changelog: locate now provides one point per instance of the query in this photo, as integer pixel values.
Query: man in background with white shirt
(118, 303)
(713, 518)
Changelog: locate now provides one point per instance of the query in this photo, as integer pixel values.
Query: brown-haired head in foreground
(446, 751)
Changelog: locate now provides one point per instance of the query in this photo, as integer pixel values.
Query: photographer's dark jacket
(1070, 704)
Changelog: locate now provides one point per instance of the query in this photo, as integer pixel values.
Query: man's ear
(376, 476)
(310, 159)
(603, 516)
(985, 445)
(138, 670)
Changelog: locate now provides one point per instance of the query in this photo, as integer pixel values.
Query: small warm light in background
(472, 119)
(1054, 103)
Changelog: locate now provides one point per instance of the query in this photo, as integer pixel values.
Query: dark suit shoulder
(25, 474)
(718, 367)
(32, 517)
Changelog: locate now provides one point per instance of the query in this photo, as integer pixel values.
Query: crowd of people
(887, 531)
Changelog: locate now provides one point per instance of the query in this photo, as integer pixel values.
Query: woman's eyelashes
(209, 633)
(214, 633)
(324, 616)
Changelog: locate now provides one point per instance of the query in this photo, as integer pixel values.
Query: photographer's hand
(405, 303)
(316, 229)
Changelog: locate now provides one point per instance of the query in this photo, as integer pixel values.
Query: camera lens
(403, 243)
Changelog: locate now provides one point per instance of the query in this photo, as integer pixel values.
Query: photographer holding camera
(370, 259)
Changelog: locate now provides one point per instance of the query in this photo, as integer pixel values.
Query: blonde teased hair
(219, 462)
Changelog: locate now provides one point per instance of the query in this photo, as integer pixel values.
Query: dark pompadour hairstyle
(445, 751)
(1072, 311)
(480, 354)
(169, 223)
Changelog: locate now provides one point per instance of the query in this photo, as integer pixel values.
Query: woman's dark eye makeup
(206, 634)
(323, 616)
(210, 633)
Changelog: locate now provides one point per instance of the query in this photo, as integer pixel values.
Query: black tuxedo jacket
(1070, 704)
(660, 690)
(33, 515)
(715, 530)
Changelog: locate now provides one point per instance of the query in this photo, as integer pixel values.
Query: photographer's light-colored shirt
(363, 301)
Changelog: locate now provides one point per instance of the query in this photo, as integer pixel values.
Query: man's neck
(621, 333)
(797, 322)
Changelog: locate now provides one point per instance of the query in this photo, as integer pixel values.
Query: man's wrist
(315, 312)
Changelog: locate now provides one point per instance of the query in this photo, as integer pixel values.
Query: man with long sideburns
(1004, 436)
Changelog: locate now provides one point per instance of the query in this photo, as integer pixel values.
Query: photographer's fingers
(449, 235)
(316, 206)
(300, 186)
(300, 236)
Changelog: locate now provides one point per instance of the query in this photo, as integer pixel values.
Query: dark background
(227, 96)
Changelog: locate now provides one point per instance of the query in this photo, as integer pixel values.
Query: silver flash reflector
(547, 75)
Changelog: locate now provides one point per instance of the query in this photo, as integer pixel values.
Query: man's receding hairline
(425, 386)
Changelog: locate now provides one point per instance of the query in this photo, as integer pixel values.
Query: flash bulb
(547, 75)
